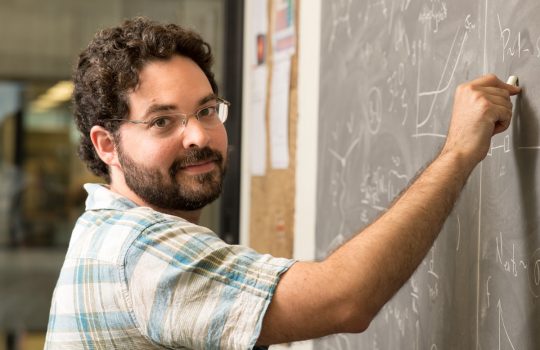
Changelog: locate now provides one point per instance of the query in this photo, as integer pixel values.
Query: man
(140, 272)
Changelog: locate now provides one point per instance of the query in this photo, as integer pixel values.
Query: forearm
(376, 263)
(344, 292)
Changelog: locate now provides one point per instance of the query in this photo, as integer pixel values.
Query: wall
(40, 39)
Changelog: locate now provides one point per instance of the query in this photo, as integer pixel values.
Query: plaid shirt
(135, 278)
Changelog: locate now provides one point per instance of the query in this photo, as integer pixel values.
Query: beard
(176, 191)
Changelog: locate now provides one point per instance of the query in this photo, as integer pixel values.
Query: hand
(482, 108)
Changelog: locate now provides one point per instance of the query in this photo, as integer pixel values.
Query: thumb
(512, 85)
(514, 90)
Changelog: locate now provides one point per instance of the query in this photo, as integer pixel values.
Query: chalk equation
(517, 45)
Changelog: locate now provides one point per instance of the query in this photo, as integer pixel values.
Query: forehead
(178, 80)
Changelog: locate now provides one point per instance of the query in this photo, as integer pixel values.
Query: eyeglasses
(209, 116)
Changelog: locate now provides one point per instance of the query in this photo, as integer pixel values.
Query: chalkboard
(389, 70)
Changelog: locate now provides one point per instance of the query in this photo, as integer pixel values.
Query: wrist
(459, 163)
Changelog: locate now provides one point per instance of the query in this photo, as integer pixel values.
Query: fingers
(485, 97)
(482, 108)
(498, 93)
(494, 91)
(501, 125)
(503, 114)
(500, 100)
(491, 80)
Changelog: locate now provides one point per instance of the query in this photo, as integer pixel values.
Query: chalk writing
(504, 339)
(433, 285)
(414, 295)
(399, 316)
(379, 187)
(434, 15)
(488, 294)
(340, 17)
(375, 343)
(337, 342)
(459, 233)
(534, 273)
(374, 111)
(509, 264)
(398, 91)
(513, 45)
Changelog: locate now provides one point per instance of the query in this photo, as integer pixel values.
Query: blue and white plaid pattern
(135, 278)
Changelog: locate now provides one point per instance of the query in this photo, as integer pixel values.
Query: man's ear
(104, 145)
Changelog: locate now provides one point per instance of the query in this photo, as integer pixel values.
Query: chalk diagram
(504, 337)
(342, 159)
(377, 181)
(426, 121)
(534, 273)
(337, 342)
(340, 18)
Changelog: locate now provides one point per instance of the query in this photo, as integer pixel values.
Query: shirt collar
(101, 197)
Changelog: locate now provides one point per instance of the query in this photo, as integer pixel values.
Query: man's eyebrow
(158, 108)
(207, 98)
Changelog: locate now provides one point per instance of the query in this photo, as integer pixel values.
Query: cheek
(150, 153)
(220, 140)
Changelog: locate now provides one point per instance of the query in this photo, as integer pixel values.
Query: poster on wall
(283, 35)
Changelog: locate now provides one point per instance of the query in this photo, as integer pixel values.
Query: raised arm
(344, 292)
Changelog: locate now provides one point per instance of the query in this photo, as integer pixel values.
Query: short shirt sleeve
(189, 289)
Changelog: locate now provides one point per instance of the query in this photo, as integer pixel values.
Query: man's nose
(194, 134)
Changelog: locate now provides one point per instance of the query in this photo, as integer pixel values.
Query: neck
(192, 216)
(119, 186)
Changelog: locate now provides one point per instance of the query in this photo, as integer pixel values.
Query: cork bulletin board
(273, 194)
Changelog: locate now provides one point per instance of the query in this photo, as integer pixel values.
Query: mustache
(193, 156)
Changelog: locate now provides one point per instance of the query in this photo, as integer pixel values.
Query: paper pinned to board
(258, 85)
(279, 114)
(283, 34)
(257, 112)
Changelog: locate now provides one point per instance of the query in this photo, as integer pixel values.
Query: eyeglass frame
(185, 116)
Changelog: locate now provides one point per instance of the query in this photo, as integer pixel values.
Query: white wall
(308, 117)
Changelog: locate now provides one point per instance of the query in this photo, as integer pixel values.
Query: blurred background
(41, 178)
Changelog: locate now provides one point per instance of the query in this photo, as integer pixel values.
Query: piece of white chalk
(513, 80)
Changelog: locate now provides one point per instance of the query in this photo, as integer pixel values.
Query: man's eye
(161, 122)
(207, 112)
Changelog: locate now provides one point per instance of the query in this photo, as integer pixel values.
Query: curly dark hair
(109, 68)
